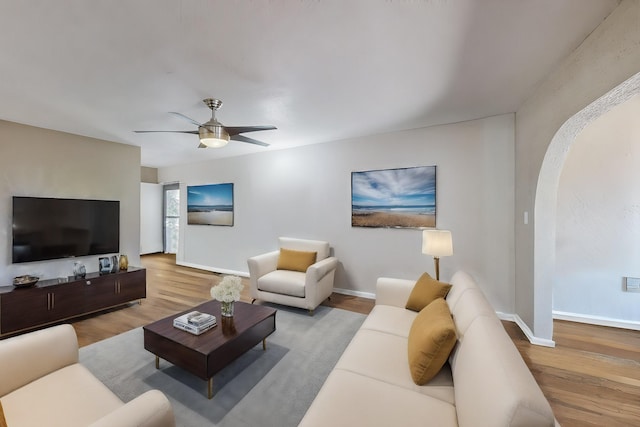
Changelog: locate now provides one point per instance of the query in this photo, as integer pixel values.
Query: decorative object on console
(394, 198)
(124, 262)
(437, 243)
(210, 204)
(25, 281)
(104, 265)
(227, 292)
(79, 270)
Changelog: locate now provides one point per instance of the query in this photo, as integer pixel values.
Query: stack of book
(195, 322)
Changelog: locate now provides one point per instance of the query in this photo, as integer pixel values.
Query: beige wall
(608, 57)
(46, 163)
(149, 175)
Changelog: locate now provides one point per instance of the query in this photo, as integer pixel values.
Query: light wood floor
(591, 378)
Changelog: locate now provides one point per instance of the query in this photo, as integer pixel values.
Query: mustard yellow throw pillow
(426, 290)
(295, 260)
(431, 338)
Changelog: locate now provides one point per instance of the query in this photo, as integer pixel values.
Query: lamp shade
(437, 243)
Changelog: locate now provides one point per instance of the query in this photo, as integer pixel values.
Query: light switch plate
(632, 284)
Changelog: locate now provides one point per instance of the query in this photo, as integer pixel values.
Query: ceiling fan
(214, 134)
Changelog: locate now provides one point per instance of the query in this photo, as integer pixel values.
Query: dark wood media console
(51, 301)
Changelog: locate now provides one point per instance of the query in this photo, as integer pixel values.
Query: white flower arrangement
(228, 290)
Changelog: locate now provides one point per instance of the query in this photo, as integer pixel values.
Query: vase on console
(79, 269)
(227, 292)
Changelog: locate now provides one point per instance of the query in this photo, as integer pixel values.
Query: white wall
(598, 219)
(306, 192)
(608, 57)
(151, 198)
(40, 162)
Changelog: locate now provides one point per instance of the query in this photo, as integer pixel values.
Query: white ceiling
(319, 70)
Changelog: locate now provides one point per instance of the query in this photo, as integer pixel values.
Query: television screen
(47, 228)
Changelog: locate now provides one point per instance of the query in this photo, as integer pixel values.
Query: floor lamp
(437, 243)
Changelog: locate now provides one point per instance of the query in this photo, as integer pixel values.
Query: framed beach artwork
(210, 204)
(394, 198)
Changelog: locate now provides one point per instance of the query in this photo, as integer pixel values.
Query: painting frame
(211, 204)
(394, 198)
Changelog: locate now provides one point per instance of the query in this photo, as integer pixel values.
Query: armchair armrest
(27, 357)
(151, 409)
(393, 292)
(322, 268)
(260, 265)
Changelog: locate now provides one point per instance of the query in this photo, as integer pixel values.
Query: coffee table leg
(264, 344)
(210, 388)
(157, 362)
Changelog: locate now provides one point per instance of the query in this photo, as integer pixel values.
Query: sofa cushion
(390, 319)
(493, 386)
(68, 397)
(295, 260)
(383, 356)
(349, 399)
(431, 339)
(284, 282)
(426, 290)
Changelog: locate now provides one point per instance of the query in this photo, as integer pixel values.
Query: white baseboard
(525, 329)
(368, 295)
(596, 320)
(213, 269)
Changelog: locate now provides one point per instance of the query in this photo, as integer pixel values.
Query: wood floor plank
(591, 378)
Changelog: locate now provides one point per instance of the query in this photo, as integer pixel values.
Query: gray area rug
(262, 388)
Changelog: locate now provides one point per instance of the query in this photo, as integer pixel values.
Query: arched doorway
(547, 194)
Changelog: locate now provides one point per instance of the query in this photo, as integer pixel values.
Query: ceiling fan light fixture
(215, 137)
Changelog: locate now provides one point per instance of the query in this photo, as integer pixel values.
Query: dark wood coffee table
(206, 354)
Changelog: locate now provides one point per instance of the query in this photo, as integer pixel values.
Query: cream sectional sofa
(42, 384)
(484, 384)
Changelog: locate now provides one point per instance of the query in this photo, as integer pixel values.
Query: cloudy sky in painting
(394, 187)
(210, 195)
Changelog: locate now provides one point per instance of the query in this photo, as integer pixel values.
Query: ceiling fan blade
(235, 130)
(195, 132)
(249, 140)
(189, 119)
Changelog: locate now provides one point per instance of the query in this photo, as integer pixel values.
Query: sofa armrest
(260, 265)
(151, 409)
(322, 268)
(394, 292)
(27, 357)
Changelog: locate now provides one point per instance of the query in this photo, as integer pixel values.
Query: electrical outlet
(632, 284)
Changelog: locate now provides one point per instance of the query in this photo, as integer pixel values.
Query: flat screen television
(50, 228)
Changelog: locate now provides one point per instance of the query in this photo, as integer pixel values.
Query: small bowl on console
(25, 281)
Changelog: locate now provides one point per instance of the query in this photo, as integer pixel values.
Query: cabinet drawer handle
(88, 282)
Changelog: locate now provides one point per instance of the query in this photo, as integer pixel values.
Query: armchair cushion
(295, 260)
(426, 290)
(284, 282)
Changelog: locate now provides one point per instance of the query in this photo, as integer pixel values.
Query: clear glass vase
(226, 308)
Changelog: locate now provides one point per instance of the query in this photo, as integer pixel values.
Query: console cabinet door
(131, 286)
(23, 309)
(27, 308)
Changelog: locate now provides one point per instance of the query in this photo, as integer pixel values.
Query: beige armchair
(272, 280)
(42, 384)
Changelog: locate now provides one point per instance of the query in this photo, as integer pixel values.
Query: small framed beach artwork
(210, 204)
(394, 198)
